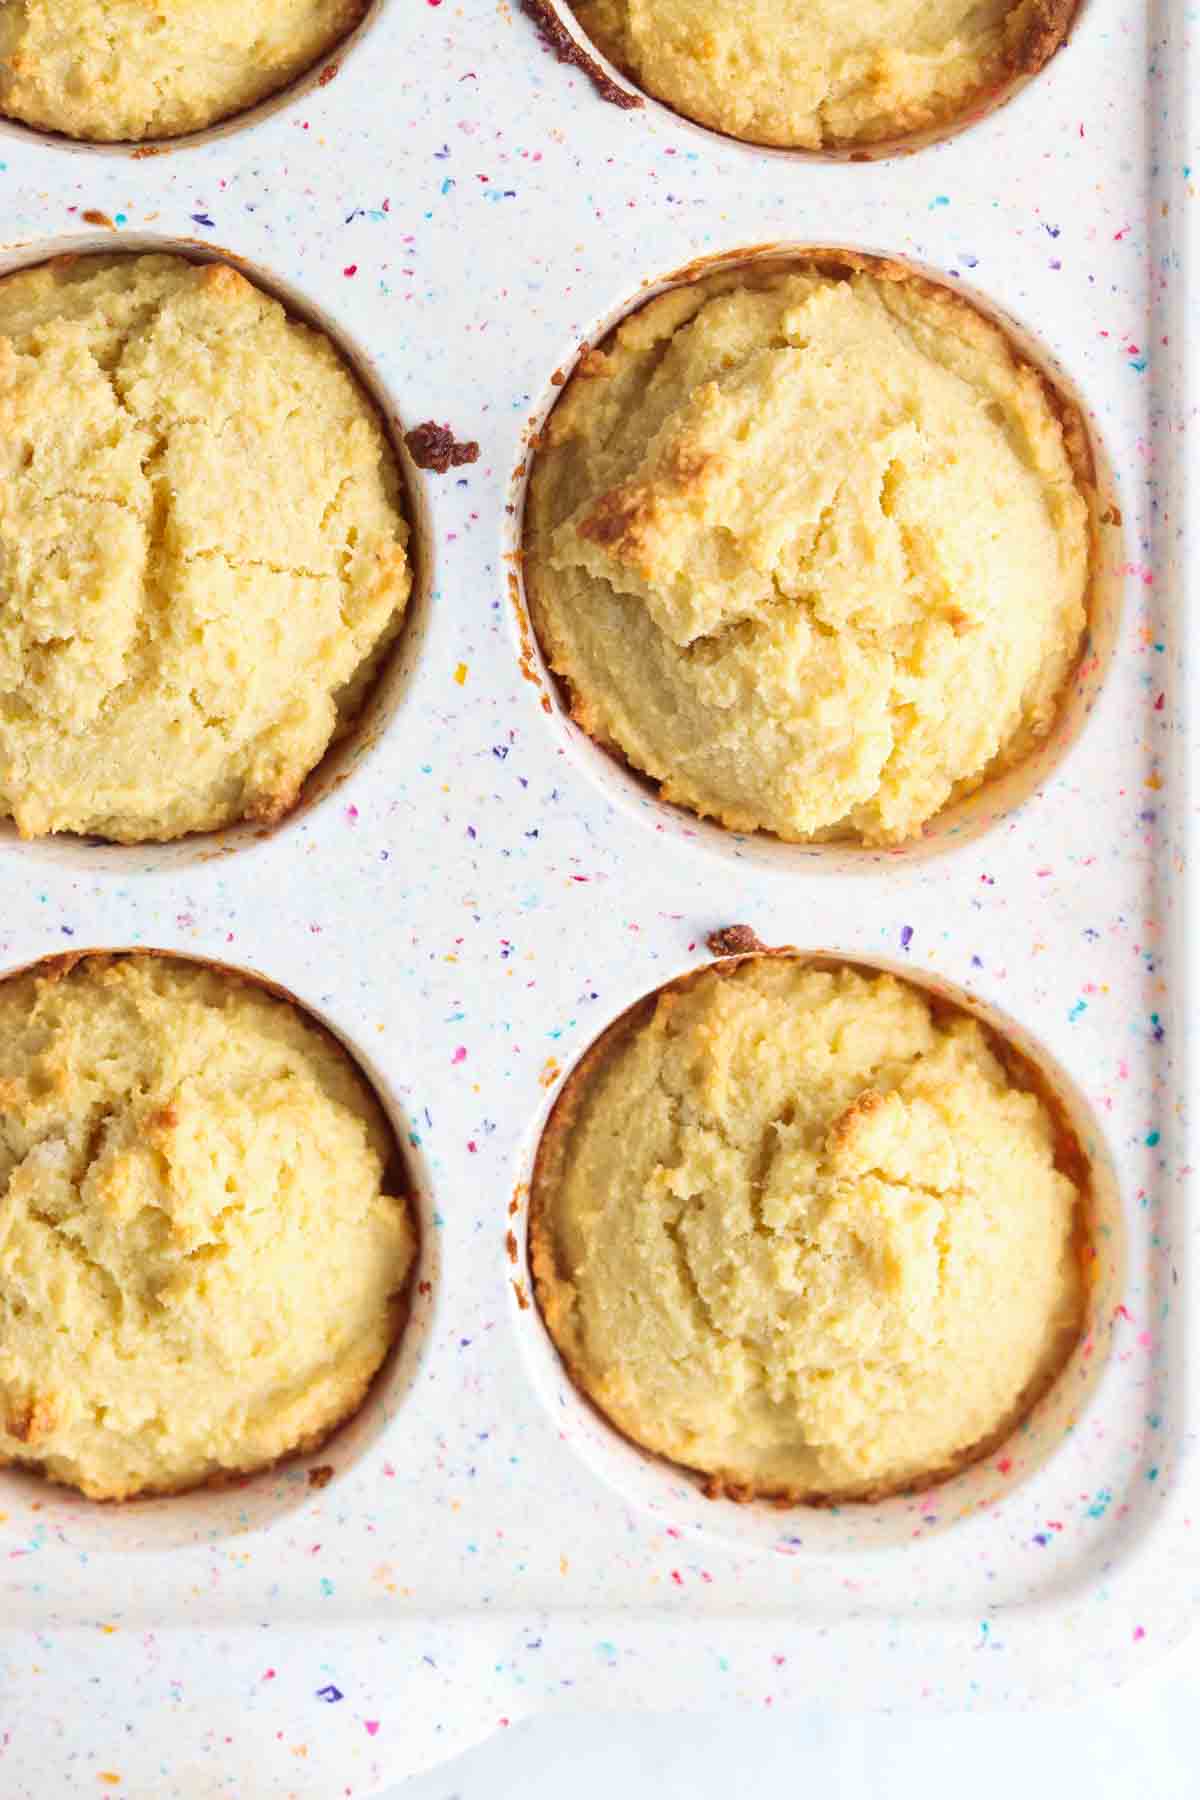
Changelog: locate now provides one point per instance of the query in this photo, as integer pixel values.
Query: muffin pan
(476, 900)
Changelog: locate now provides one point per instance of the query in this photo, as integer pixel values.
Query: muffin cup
(982, 108)
(388, 691)
(963, 821)
(239, 1503)
(686, 1499)
(318, 75)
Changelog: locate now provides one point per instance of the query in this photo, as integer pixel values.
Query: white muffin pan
(472, 892)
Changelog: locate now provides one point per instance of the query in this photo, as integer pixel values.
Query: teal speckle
(1152, 1138)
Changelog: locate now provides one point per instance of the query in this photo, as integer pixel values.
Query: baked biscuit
(809, 544)
(799, 1231)
(203, 1249)
(114, 70)
(202, 548)
(820, 74)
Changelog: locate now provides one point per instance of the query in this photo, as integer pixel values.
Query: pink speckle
(1145, 1340)
(350, 269)
(676, 1577)
(460, 1055)
(352, 814)
(1005, 1465)
(268, 1674)
(372, 1726)
(1139, 1632)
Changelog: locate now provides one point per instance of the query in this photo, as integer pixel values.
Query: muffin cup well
(687, 1499)
(390, 686)
(318, 75)
(1059, 34)
(240, 1503)
(962, 821)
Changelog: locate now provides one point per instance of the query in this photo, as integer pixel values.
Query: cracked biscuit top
(815, 74)
(809, 545)
(111, 70)
(202, 549)
(201, 1257)
(793, 1229)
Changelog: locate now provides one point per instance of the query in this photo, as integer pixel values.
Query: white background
(1140, 1741)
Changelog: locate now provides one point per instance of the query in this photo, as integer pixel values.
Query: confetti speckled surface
(474, 902)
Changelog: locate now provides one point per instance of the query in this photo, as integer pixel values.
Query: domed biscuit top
(201, 1261)
(109, 70)
(821, 73)
(810, 546)
(794, 1230)
(202, 548)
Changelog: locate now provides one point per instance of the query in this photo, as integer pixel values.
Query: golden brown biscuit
(813, 74)
(809, 545)
(202, 1260)
(202, 548)
(111, 70)
(795, 1229)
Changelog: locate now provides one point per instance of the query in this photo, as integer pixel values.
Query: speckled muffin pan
(472, 893)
